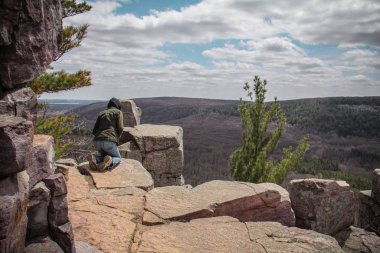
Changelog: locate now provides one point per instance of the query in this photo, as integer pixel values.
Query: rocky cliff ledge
(217, 216)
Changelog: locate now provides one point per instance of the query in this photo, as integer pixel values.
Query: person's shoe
(107, 161)
(92, 162)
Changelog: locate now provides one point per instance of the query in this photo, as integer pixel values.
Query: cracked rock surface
(226, 234)
(213, 217)
(244, 201)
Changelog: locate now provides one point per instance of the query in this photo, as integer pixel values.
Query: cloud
(270, 38)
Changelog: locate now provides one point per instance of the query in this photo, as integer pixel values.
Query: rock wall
(33, 206)
(29, 36)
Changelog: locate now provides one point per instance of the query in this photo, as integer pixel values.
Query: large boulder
(226, 234)
(326, 206)
(357, 240)
(244, 201)
(19, 102)
(161, 148)
(28, 39)
(43, 162)
(131, 113)
(39, 200)
(129, 173)
(376, 185)
(14, 193)
(16, 138)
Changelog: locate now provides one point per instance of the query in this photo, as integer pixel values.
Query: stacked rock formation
(33, 209)
(160, 150)
(158, 147)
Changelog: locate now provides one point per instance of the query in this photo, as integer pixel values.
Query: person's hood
(114, 102)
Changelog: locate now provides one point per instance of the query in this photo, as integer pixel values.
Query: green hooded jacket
(109, 125)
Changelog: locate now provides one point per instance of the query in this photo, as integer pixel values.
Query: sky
(210, 48)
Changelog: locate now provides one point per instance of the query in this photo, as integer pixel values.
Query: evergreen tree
(252, 162)
(60, 127)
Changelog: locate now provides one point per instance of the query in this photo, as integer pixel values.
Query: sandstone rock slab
(43, 162)
(244, 201)
(221, 234)
(39, 200)
(77, 186)
(153, 137)
(131, 113)
(16, 138)
(274, 237)
(29, 39)
(14, 194)
(226, 234)
(326, 206)
(106, 228)
(129, 173)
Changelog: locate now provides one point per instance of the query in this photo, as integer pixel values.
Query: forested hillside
(344, 133)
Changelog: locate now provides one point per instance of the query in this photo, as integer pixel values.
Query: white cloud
(123, 50)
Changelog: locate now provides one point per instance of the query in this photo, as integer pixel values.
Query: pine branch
(61, 80)
(71, 8)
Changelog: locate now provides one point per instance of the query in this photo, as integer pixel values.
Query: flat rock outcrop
(28, 39)
(161, 149)
(104, 218)
(16, 138)
(129, 173)
(244, 201)
(131, 113)
(326, 206)
(226, 234)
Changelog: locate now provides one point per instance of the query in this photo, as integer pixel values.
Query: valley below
(344, 133)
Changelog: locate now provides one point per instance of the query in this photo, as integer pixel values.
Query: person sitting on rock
(107, 130)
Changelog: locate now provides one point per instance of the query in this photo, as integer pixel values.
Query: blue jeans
(108, 148)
